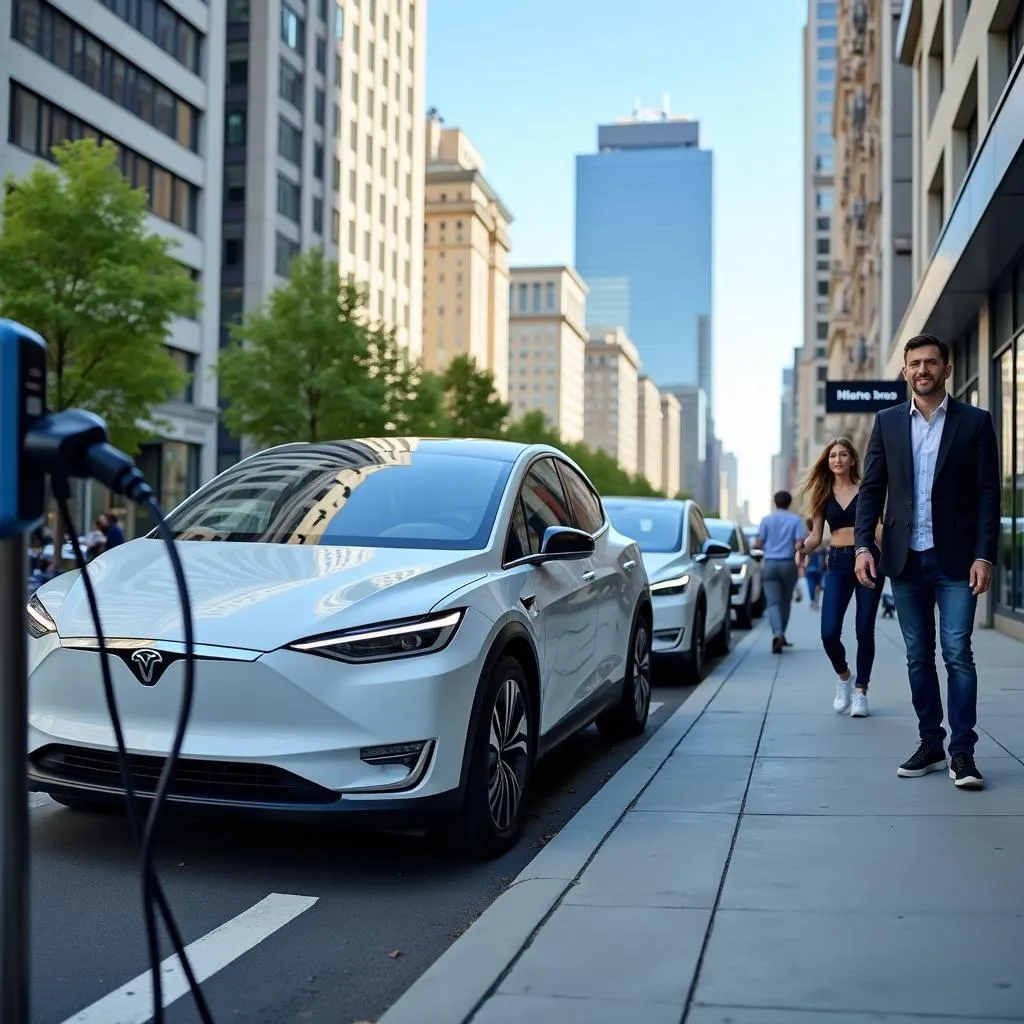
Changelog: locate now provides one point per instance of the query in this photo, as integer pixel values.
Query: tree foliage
(78, 265)
(473, 406)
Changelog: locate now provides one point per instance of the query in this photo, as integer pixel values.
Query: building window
(168, 29)
(42, 28)
(289, 199)
(289, 84)
(238, 63)
(185, 361)
(36, 125)
(234, 183)
(234, 126)
(321, 54)
(293, 30)
(285, 251)
(289, 141)
(233, 245)
(821, 328)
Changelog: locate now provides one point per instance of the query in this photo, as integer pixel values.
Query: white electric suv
(393, 628)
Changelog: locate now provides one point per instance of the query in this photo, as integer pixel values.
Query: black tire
(499, 780)
(722, 642)
(745, 615)
(696, 658)
(629, 717)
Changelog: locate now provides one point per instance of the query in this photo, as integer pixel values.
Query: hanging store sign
(863, 395)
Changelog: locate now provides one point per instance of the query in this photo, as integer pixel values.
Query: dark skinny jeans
(840, 586)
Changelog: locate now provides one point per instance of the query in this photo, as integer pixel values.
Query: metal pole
(14, 880)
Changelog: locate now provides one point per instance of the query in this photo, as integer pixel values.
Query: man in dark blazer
(932, 476)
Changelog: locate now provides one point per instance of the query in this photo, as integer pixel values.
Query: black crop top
(839, 518)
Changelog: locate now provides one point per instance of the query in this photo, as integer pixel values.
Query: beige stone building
(465, 258)
(612, 396)
(670, 438)
(967, 64)
(547, 346)
(870, 245)
(649, 432)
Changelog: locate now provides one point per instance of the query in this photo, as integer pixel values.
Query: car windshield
(358, 494)
(725, 533)
(656, 528)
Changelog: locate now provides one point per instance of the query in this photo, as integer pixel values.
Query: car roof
(373, 447)
(719, 519)
(638, 499)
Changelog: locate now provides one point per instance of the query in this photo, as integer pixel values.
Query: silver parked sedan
(688, 577)
(745, 568)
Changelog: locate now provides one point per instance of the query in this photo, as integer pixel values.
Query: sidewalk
(772, 868)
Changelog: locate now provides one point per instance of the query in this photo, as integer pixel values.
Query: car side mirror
(716, 549)
(563, 543)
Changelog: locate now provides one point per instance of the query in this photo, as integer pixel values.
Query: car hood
(255, 596)
(660, 564)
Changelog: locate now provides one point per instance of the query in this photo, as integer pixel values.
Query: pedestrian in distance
(778, 535)
(932, 465)
(831, 492)
(814, 565)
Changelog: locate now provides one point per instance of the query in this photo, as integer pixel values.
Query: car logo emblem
(147, 664)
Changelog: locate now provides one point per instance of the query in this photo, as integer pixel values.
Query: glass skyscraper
(644, 242)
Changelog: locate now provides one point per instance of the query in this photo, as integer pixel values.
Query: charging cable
(73, 444)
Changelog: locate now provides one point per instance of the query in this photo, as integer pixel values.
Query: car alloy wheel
(641, 670)
(508, 754)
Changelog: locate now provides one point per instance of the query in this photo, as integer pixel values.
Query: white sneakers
(847, 700)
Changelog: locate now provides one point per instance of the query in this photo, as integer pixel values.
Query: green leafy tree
(78, 265)
(474, 407)
(311, 366)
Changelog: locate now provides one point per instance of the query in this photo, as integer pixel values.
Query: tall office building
(644, 241)
(670, 438)
(149, 78)
(650, 433)
(612, 396)
(820, 53)
(465, 259)
(547, 346)
(324, 146)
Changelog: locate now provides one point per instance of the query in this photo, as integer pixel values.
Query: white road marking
(133, 1003)
(655, 705)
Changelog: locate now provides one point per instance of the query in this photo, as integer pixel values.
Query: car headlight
(39, 620)
(741, 572)
(666, 588)
(386, 641)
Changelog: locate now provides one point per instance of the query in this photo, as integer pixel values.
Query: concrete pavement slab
(846, 786)
(733, 733)
(612, 953)
(965, 965)
(658, 860)
(877, 864)
(698, 782)
(760, 1015)
(503, 1009)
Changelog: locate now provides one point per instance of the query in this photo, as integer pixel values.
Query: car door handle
(588, 575)
(629, 566)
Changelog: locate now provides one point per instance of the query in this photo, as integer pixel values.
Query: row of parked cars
(392, 630)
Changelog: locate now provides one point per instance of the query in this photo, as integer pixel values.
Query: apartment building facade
(151, 81)
(650, 431)
(324, 147)
(465, 258)
(967, 63)
(547, 346)
(671, 427)
(611, 390)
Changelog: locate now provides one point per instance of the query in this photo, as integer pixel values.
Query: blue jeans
(813, 579)
(921, 587)
(840, 587)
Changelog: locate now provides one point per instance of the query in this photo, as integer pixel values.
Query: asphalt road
(386, 906)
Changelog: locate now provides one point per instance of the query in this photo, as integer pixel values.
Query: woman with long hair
(831, 491)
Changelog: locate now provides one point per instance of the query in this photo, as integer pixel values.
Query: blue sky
(530, 80)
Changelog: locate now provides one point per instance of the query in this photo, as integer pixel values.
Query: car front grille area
(229, 781)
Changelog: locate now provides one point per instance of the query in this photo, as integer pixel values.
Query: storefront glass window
(1002, 411)
(1018, 490)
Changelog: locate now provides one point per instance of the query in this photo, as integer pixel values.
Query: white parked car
(748, 601)
(689, 579)
(394, 629)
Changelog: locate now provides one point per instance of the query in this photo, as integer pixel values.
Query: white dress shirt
(925, 436)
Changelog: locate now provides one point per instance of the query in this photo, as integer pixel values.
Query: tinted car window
(544, 502)
(518, 544)
(655, 527)
(726, 533)
(350, 495)
(584, 502)
(698, 533)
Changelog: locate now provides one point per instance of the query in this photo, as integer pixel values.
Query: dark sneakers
(924, 760)
(777, 644)
(964, 772)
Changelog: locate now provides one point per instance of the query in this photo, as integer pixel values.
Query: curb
(453, 987)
